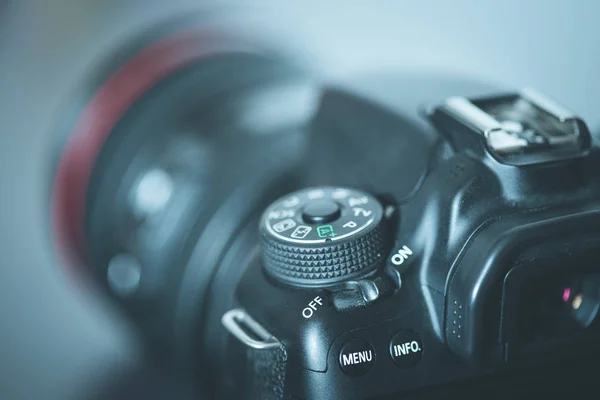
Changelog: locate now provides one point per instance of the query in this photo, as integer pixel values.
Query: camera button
(357, 357)
(321, 211)
(406, 348)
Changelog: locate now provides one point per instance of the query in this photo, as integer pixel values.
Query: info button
(406, 348)
(357, 357)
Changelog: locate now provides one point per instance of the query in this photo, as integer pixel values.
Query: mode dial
(321, 236)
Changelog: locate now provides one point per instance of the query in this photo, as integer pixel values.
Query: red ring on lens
(107, 106)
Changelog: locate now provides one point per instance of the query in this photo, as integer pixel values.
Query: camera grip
(257, 374)
(266, 373)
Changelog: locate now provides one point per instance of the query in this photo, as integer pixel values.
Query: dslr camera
(278, 237)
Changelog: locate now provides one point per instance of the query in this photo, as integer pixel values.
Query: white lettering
(350, 224)
(361, 357)
(406, 348)
(361, 211)
(402, 350)
(316, 194)
(340, 193)
(347, 359)
(402, 255)
(357, 201)
(397, 259)
(405, 252)
(291, 202)
(278, 214)
(414, 346)
(357, 357)
(312, 307)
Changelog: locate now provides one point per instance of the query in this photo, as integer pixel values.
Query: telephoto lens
(180, 139)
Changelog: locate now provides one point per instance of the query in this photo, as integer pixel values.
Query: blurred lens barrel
(179, 140)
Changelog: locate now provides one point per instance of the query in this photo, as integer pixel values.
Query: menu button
(357, 357)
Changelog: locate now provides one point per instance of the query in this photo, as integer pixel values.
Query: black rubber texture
(253, 374)
(326, 264)
(266, 374)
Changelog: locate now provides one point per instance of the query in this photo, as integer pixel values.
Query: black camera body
(277, 237)
(483, 259)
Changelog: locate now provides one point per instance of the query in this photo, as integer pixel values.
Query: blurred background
(59, 339)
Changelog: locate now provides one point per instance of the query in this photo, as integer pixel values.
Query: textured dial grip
(322, 236)
(322, 265)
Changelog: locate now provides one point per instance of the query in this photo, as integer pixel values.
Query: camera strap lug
(244, 328)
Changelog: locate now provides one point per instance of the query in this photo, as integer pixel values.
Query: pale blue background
(54, 340)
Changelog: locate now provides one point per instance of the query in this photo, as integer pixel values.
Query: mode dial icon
(321, 236)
